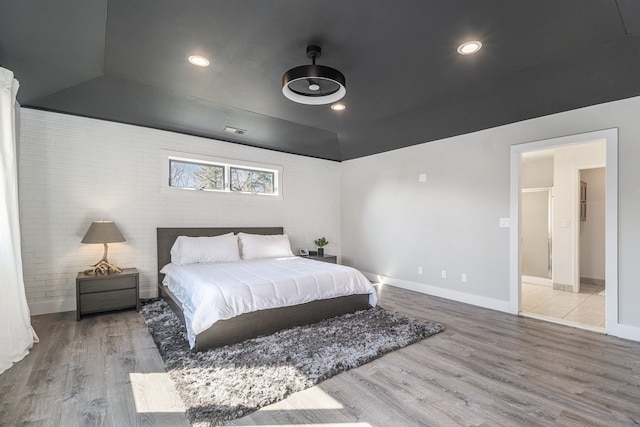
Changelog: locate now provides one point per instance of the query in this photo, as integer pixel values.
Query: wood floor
(487, 369)
(102, 371)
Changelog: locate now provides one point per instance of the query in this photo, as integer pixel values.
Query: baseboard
(148, 293)
(537, 280)
(436, 291)
(624, 331)
(592, 281)
(55, 305)
(562, 287)
(617, 330)
(59, 305)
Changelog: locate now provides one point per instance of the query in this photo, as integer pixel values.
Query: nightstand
(324, 258)
(106, 292)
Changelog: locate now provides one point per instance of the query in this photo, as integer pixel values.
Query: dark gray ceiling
(125, 61)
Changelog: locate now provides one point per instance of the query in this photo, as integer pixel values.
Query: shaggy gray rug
(232, 381)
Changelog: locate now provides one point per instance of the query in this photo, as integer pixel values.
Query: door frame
(610, 137)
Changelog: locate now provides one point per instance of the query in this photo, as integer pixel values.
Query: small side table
(324, 258)
(106, 292)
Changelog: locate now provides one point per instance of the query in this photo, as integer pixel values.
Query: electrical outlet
(505, 222)
(419, 270)
(422, 177)
(464, 278)
(444, 274)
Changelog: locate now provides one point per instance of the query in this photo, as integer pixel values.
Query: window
(252, 180)
(195, 176)
(182, 171)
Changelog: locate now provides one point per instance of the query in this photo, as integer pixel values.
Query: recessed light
(338, 107)
(467, 48)
(199, 60)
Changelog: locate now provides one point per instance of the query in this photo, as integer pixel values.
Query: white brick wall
(74, 170)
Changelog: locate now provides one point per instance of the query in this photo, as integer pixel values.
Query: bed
(261, 321)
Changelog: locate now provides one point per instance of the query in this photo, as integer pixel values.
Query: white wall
(566, 195)
(592, 231)
(75, 170)
(392, 224)
(537, 172)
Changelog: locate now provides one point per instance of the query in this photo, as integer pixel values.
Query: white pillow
(192, 250)
(254, 246)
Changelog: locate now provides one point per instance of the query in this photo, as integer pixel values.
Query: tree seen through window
(195, 175)
(251, 181)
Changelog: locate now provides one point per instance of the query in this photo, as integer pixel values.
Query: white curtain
(16, 334)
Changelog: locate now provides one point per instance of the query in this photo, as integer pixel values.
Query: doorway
(556, 274)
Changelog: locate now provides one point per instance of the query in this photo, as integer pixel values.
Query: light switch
(422, 177)
(505, 222)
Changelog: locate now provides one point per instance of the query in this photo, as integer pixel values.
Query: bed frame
(254, 324)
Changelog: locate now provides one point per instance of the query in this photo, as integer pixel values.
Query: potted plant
(321, 243)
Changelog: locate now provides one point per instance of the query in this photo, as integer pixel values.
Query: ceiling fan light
(314, 84)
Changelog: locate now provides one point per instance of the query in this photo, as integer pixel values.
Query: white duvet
(219, 291)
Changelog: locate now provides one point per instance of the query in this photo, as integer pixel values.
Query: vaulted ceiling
(126, 61)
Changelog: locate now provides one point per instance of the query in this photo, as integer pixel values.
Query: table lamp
(103, 232)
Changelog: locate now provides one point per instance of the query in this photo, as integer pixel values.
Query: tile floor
(586, 307)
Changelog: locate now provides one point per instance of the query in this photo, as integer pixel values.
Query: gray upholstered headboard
(167, 236)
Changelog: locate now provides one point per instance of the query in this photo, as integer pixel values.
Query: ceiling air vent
(229, 129)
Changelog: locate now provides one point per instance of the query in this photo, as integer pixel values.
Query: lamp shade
(103, 232)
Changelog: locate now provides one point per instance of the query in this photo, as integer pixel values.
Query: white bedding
(219, 291)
